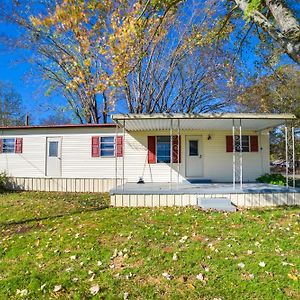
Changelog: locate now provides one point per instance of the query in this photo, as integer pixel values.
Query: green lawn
(66, 246)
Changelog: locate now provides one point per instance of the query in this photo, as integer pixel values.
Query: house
(169, 149)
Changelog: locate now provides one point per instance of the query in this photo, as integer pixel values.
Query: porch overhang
(217, 121)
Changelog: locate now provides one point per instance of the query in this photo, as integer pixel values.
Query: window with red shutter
(254, 143)
(176, 149)
(120, 146)
(229, 143)
(19, 145)
(95, 146)
(151, 149)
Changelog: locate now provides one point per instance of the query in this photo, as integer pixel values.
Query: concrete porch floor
(200, 188)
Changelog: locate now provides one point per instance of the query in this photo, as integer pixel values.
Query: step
(198, 180)
(220, 204)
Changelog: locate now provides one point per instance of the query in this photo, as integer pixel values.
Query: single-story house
(170, 149)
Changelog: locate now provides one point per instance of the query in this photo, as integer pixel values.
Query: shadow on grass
(51, 217)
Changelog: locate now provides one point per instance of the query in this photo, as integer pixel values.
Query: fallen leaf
(293, 277)
(200, 277)
(22, 293)
(94, 289)
(57, 288)
(167, 276)
(262, 264)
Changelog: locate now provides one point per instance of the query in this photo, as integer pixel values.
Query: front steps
(219, 204)
(198, 180)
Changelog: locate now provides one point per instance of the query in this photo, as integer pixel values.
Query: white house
(156, 148)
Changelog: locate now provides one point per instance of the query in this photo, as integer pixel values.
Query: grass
(69, 241)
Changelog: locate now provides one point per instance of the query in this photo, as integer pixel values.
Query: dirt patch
(21, 229)
(198, 238)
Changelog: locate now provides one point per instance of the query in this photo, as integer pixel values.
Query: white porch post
(116, 158)
(123, 156)
(171, 153)
(293, 146)
(286, 155)
(241, 156)
(233, 155)
(178, 152)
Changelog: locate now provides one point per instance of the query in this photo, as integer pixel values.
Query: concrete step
(198, 180)
(220, 204)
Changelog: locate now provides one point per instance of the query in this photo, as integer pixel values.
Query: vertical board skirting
(89, 185)
(240, 200)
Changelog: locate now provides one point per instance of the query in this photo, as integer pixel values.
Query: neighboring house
(157, 148)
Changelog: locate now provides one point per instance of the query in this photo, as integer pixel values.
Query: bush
(277, 179)
(3, 181)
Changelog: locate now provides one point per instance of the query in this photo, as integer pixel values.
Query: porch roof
(216, 121)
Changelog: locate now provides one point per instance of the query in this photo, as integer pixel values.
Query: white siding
(78, 163)
(217, 163)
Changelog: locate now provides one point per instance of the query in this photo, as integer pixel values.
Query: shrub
(277, 179)
(3, 181)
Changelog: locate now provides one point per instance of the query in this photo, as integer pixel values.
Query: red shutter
(1, 146)
(151, 150)
(95, 146)
(254, 143)
(176, 149)
(229, 143)
(119, 146)
(19, 145)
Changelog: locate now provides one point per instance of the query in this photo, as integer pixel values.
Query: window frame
(14, 146)
(197, 148)
(237, 144)
(114, 149)
(156, 150)
(57, 149)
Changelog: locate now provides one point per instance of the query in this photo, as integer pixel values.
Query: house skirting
(88, 185)
(239, 199)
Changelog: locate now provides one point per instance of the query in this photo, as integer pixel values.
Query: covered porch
(180, 189)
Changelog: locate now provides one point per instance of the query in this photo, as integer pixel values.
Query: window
(53, 149)
(193, 146)
(107, 146)
(245, 143)
(163, 149)
(8, 146)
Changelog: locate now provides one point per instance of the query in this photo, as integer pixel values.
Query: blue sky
(15, 69)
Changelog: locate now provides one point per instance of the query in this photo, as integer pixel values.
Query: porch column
(178, 152)
(233, 155)
(241, 156)
(286, 155)
(293, 149)
(116, 158)
(171, 153)
(123, 155)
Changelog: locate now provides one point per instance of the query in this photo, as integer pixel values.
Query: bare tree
(180, 69)
(11, 107)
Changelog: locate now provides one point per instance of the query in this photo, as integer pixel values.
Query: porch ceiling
(255, 122)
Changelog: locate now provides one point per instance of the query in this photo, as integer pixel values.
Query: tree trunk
(285, 19)
(289, 35)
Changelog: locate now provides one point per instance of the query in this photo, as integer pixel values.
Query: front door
(194, 159)
(53, 157)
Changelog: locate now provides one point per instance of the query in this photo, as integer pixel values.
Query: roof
(58, 126)
(216, 121)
